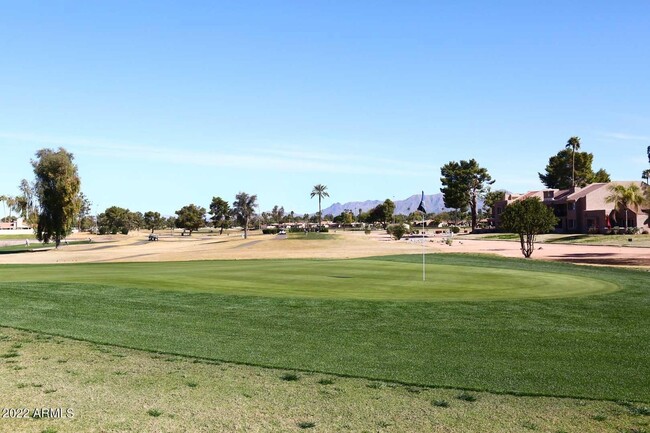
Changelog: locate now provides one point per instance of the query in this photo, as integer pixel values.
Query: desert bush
(455, 230)
(396, 230)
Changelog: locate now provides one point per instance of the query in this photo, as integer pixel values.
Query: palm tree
(319, 190)
(574, 144)
(244, 209)
(3, 199)
(625, 197)
(11, 203)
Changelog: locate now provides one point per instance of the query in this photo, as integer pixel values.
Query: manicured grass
(14, 249)
(8, 237)
(590, 346)
(34, 246)
(112, 389)
(312, 236)
(363, 279)
(503, 236)
(615, 240)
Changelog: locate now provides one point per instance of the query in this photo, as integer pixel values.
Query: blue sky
(169, 103)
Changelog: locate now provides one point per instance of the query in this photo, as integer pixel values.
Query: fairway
(328, 279)
(480, 323)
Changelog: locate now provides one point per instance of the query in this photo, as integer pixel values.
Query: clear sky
(169, 103)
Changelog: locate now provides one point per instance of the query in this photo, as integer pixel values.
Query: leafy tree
(84, 221)
(389, 210)
(346, 217)
(645, 175)
(569, 168)
(220, 211)
(153, 221)
(57, 189)
(528, 218)
(320, 191)
(190, 218)
(244, 209)
(463, 184)
(625, 197)
(491, 198)
(114, 220)
(381, 213)
(24, 203)
(601, 176)
(277, 214)
(136, 220)
(170, 222)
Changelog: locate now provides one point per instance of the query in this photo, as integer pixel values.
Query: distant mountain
(432, 203)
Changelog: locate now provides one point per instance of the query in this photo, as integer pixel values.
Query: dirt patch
(346, 245)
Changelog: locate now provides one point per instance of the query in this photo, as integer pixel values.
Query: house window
(548, 194)
(571, 206)
(571, 224)
(499, 211)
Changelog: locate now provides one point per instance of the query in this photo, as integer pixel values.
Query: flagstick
(424, 272)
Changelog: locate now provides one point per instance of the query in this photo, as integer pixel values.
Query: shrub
(103, 230)
(397, 230)
(367, 231)
(593, 230)
(616, 230)
(270, 231)
(455, 230)
(324, 230)
(124, 231)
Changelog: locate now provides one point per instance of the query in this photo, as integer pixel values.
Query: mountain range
(433, 203)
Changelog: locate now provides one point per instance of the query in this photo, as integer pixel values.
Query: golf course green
(481, 323)
(369, 279)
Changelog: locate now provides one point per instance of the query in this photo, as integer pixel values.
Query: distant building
(19, 224)
(581, 210)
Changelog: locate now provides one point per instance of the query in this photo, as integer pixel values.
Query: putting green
(326, 279)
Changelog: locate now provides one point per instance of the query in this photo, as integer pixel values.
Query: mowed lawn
(480, 323)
